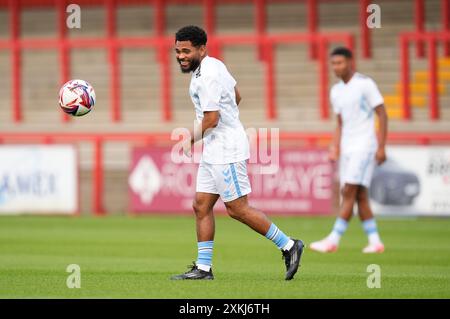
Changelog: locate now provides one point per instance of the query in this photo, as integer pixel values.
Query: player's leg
(349, 193)
(331, 242)
(240, 210)
(368, 222)
(292, 249)
(203, 208)
(234, 185)
(204, 201)
(204, 218)
(348, 189)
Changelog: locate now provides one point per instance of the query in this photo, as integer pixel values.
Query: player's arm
(336, 143)
(380, 156)
(209, 121)
(209, 93)
(238, 96)
(376, 101)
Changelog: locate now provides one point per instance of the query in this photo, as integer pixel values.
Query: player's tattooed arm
(238, 96)
(335, 144)
(380, 155)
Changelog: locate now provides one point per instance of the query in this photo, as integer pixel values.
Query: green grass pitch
(133, 257)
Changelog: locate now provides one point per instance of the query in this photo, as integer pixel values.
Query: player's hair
(192, 33)
(342, 51)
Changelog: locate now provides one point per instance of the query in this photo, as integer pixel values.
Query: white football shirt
(355, 101)
(212, 89)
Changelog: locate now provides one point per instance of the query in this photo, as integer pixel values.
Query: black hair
(192, 33)
(342, 51)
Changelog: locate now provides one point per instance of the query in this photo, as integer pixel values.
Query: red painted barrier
(159, 42)
(432, 39)
(419, 21)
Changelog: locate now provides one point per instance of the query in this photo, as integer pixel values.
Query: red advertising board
(299, 183)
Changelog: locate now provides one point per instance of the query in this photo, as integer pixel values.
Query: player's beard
(193, 65)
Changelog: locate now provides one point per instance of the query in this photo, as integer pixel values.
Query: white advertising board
(415, 180)
(38, 179)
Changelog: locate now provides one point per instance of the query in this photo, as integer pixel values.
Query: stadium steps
(420, 89)
(140, 92)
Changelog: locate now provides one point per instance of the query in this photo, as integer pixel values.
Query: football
(77, 97)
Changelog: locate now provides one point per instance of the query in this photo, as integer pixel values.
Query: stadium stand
(296, 75)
